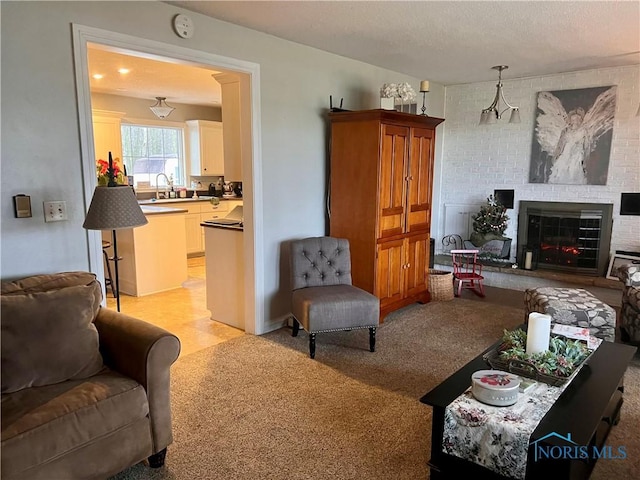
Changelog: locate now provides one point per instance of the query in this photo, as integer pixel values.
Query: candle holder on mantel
(424, 88)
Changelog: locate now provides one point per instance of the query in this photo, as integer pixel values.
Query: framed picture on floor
(617, 260)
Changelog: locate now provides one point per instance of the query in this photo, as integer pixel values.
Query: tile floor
(182, 311)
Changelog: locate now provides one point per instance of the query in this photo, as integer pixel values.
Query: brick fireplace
(569, 237)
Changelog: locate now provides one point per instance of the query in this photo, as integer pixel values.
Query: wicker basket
(440, 285)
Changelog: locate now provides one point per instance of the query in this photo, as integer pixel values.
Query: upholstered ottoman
(573, 306)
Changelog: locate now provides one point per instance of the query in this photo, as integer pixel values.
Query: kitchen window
(148, 151)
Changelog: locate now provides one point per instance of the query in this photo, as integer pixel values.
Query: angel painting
(572, 136)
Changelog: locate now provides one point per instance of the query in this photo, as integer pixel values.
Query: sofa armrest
(145, 353)
(629, 274)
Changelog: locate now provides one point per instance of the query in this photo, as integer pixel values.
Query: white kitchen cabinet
(206, 151)
(107, 136)
(198, 212)
(235, 146)
(195, 243)
(225, 253)
(154, 255)
(231, 204)
(210, 211)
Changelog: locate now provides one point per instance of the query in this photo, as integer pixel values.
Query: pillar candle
(538, 332)
(527, 260)
(424, 86)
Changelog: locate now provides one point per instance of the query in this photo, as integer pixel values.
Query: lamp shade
(515, 116)
(114, 208)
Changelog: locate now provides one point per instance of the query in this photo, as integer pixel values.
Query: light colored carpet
(259, 408)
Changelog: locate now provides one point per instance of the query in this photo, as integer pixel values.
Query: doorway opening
(251, 165)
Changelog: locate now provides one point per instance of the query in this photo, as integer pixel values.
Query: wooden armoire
(381, 177)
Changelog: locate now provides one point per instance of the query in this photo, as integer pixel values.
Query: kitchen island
(154, 256)
(224, 259)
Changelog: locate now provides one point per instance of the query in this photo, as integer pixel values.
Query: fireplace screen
(572, 237)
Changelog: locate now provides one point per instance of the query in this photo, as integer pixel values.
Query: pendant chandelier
(493, 113)
(160, 108)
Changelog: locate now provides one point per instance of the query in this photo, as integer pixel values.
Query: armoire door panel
(392, 192)
(391, 222)
(417, 261)
(390, 272)
(420, 173)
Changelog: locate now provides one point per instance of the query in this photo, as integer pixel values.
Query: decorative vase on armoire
(381, 185)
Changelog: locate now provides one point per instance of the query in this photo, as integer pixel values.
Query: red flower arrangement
(102, 168)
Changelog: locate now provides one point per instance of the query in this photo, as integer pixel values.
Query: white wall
(40, 132)
(478, 159)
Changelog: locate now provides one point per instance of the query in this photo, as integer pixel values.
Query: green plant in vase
(562, 358)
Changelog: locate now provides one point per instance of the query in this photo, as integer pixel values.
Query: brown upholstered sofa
(85, 390)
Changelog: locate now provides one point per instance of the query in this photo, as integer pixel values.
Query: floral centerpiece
(389, 90)
(561, 359)
(396, 91)
(102, 169)
(406, 93)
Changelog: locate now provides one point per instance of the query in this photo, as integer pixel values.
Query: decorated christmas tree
(491, 220)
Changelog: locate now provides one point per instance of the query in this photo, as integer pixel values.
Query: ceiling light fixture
(123, 71)
(492, 113)
(160, 108)
(98, 76)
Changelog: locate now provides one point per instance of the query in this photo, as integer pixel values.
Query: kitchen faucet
(169, 182)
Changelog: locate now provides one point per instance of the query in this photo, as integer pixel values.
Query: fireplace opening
(570, 237)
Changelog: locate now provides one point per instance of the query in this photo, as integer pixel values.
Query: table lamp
(114, 207)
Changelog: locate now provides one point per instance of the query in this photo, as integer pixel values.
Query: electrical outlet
(55, 211)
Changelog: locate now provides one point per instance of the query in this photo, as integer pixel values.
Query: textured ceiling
(450, 42)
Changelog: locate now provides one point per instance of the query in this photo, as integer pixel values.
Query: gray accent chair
(323, 298)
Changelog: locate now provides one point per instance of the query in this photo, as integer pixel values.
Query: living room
(43, 151)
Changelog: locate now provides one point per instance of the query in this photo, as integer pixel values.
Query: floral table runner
(497, 437)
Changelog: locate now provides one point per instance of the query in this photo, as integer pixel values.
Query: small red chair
(467, 271)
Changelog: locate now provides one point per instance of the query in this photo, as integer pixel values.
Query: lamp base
(424, 113)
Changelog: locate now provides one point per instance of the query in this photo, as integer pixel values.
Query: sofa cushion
(48, 337)
(43, 423)
(53, 281)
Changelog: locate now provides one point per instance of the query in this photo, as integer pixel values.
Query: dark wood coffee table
(587, 409)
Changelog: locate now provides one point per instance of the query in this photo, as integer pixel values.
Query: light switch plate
(55, 211)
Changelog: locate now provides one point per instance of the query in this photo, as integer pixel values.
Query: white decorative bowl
(495, 387)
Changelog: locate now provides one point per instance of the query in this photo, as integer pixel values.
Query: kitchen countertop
(153, 201)
(149, 210)
(238, 228)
